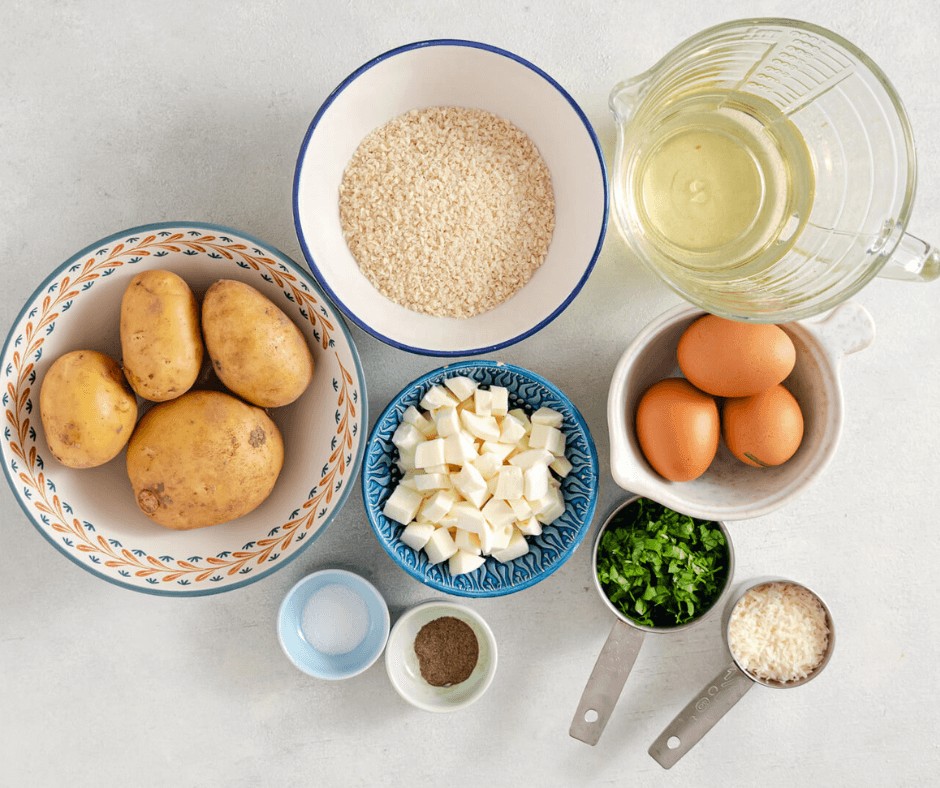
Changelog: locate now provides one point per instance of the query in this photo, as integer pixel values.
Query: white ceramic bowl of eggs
(472, 75)
(730, 489)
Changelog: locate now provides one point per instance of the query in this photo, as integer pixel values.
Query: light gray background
(114, 114)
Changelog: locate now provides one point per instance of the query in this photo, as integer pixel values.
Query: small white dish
(403, 669)
(308, 642)
(729, 489)
(466, 74)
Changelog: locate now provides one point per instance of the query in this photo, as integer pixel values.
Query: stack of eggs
(677, 420)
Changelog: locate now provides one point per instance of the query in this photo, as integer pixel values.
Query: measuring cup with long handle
(724, 691)
(622, 647)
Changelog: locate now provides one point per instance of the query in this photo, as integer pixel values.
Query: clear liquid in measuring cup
(723, 182)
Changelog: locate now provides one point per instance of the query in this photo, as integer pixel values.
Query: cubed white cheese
(536, 481)
(497, 538)
(461, 386)
(463, 562)
(430, 453)
(511, 430)
(553, 506)
(561, 466)
(548, 417)
(409, 480)
(520, 507)
(501, 450)
(468, 541)
(498, 513)
(482, 402)
(529, 526)
(517, 547)
(407, 436)
(468, 481)
(520, 415)
(447, 421)
(499, 400)
(530, 457)
(437, 397)
(417, 419)
(510, 483)
(445, 469)
(460, 449)
(416, 535)
(485, 428)
(437, 506)
(487, 464)
(428, 482)
(402, 505)
(440, 546)
(549, 438)
(467, 517)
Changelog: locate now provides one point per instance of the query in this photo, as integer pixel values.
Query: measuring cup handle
(605, 684)
(700, 716)
(913, 260)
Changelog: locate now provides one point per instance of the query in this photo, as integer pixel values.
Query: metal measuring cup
(726, 689)
(620, 651)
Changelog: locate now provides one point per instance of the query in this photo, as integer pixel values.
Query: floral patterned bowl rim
(110, 537)
(558, 540)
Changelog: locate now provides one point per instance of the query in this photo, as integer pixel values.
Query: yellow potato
(256, 349)
(202, 459)
(87, 409)
(160, 338)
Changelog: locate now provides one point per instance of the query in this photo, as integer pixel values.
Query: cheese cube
(548, 417)
(438, 505)
(483, 402)
(498, 513)
(402, 505)
(445, 468)
(417, 419)
(430, 453)
(440, 546)
(529, 526)
(437, 397)
(499, 400)
(468, 482)
(553, 506)
(518, 546)
(530, 457)
(510, 483)
(463, 562)
(461, 386)
(511, 430)
(495, 538)
(406, 460)
(520, 507)
(487, 464)
(536, 481)
(408, 480)
(467, 541)
(520, 415)
(561, 466)
(460, 449)
(416, 535)
(428, 482)
(549, 438)
(486, 428)
(407, 436)
(501, 450)
(467, 517)
(447, 421)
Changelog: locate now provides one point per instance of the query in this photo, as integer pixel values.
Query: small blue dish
(297, 642)
(557, 541)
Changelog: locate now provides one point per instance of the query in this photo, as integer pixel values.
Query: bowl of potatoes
(183, 409)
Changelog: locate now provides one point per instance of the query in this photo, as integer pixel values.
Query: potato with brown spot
(87, 409)
(202, 459)
(256, 350)
(160, 338)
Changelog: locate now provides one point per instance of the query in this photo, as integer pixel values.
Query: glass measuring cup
(726, 689)
(765, 169)
(622, 646)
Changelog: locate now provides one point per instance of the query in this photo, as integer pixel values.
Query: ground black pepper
(447, 651)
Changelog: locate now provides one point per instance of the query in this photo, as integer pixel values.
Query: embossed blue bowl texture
(558, 540)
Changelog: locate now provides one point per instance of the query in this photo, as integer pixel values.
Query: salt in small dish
(333, 624)
(404, 671)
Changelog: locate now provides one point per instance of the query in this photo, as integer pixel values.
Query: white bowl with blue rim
(78, 306)
(558, 540)
(467, 74)
(333, 624)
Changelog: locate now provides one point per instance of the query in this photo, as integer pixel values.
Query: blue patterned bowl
(548, 551)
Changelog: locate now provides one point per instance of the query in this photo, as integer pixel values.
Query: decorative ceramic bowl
(315, 646)
(557, 541)
(730, 489)
(90, 515)
(404, 670)
(467, 74)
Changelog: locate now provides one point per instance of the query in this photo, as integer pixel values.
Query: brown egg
(677, 427)
(727, 358)
(765, 429)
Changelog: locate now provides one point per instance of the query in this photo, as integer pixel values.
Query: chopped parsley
(661, 568)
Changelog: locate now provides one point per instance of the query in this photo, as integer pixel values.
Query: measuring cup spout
(626, 96)
(913, 260)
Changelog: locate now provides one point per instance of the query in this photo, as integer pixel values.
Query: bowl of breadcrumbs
(450, 197)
